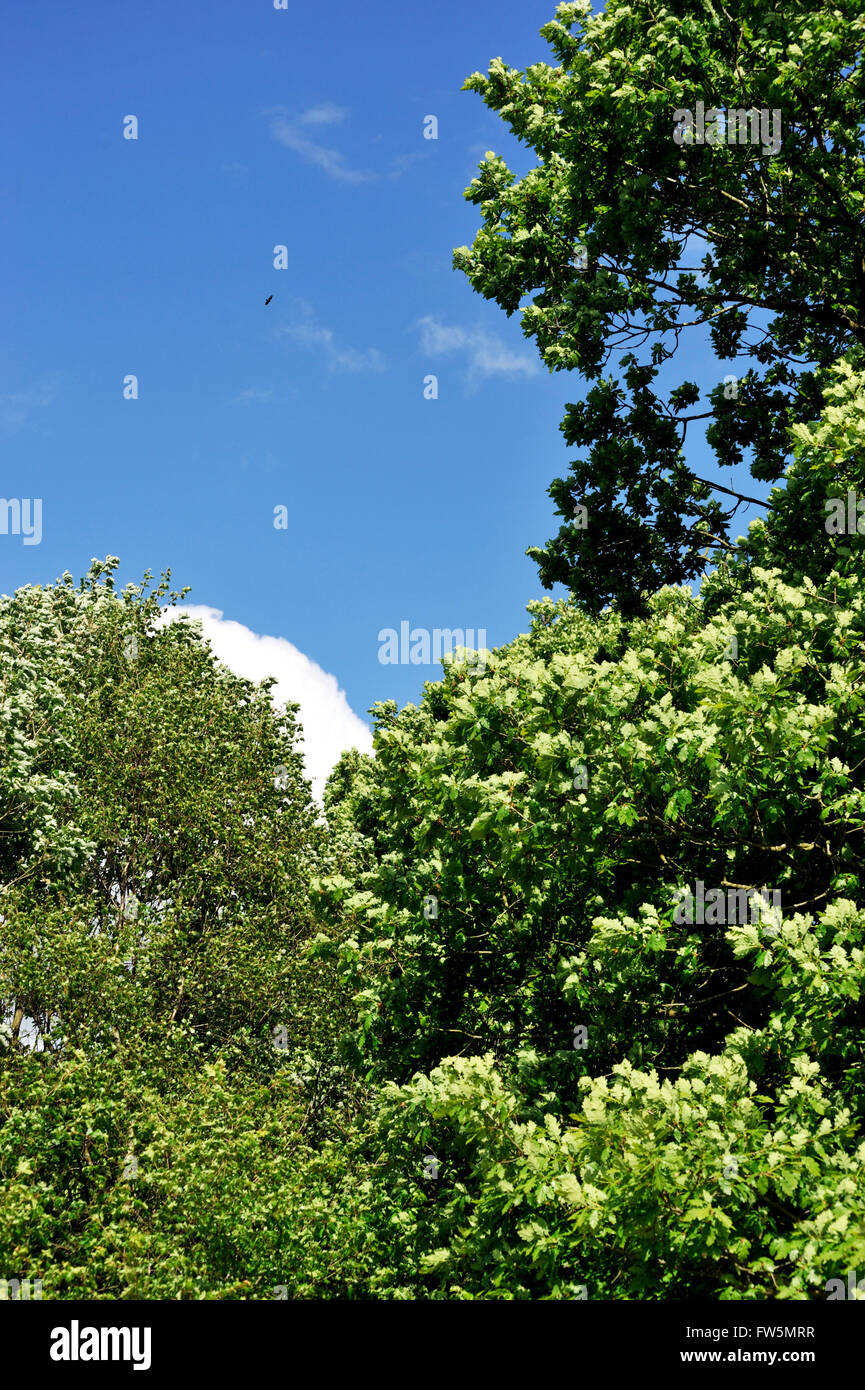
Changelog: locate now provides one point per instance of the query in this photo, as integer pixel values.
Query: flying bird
(269, 298)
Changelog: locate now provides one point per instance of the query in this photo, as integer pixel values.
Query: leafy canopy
(761, 252)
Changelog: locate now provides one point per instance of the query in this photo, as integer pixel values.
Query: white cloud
(331, 161)
(487, 354)
(327, 113)
(329, 723)
(308, 331)
(251, 394)
(287, 130)
(16, 406)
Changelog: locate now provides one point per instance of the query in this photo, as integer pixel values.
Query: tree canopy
(559, 995)
(622, 243)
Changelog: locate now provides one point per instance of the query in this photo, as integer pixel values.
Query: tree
(164, 1032)
(622, 241)
(625, 1092)
(155, 813)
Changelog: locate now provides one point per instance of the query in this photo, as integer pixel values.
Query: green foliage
(623, 1099)
(159, 867)
(466, 1035)
(692, 1186)
(761, 249)
(157, 842)
(742, 772)
(513, 1066)
(802, 536)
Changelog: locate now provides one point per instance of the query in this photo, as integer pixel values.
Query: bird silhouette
(269, 298)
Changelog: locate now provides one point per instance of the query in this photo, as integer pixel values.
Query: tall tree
(699, 172)
(163, 1044)
(155, 822)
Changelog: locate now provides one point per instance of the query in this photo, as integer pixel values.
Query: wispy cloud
(401, 162)
(252, 394)
(16, 407)
(307, 330)
(325, 114)
(289, 131)
(487, 354)
(332, 162)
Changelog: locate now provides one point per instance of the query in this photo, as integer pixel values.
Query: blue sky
(260, 127)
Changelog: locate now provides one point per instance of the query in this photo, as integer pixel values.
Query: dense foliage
(157, 836)
(623, 241)
(559, 995)
(633, 1103)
